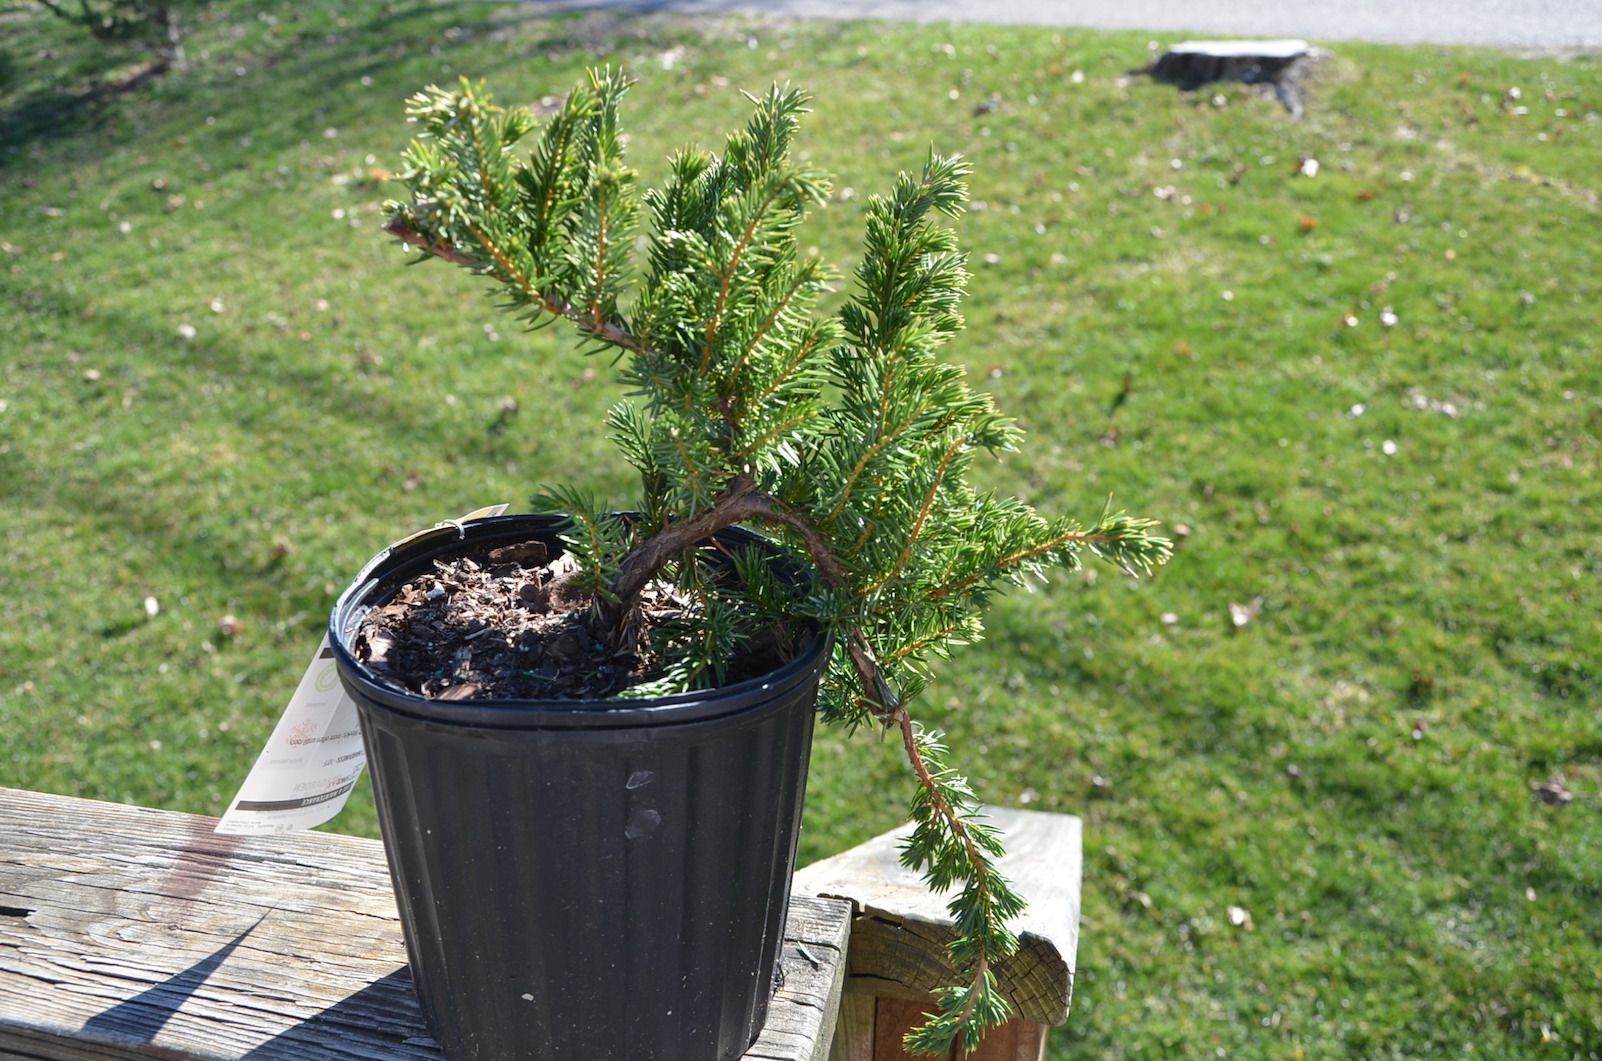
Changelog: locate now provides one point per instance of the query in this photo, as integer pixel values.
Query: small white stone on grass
(1388, 448)
(186, 332)
(152, 607)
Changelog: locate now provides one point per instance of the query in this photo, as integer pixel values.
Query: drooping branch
(741, 501)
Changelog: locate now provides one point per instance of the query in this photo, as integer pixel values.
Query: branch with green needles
(843, 435)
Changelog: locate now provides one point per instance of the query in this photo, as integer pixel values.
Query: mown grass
(1354, 768)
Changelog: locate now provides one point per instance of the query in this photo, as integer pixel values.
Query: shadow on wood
(141, 1018)
(389, 1004)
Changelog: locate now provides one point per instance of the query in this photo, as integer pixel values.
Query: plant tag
(311, 763)
(314, 757)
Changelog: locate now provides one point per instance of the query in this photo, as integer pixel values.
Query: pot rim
(403, 559)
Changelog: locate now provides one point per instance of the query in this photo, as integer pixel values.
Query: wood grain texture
(853, 1034)
(127, 932)
(1016, 1040)
(900, 931)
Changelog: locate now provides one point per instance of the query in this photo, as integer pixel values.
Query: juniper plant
(842, 435)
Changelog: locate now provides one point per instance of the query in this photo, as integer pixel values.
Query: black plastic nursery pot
(581, 881)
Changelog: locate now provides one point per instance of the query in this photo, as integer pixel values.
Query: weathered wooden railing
(127, 932)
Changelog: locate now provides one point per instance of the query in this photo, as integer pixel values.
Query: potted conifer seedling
(589, 730)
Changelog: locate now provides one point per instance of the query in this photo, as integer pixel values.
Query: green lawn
(1371, 396)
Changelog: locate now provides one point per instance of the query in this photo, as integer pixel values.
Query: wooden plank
(900, 932)
(127, 932)
(853, 1036)
(801, 1020)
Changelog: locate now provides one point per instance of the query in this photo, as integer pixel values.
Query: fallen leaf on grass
(1554, 793)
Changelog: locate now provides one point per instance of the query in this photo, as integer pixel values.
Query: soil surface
(509, 623)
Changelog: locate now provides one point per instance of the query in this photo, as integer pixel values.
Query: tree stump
(1280, 65)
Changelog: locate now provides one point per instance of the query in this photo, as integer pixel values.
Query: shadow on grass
(296, 81)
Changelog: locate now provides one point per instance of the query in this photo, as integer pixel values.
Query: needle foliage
(844, 435)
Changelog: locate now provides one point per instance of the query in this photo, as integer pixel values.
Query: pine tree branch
(482, 160)
(878, 446)
(795, 362)
(605, 330)
(600, 263)
(775, 431)
(728, 276)
(978, 864)
(398, 228)
(558, 158)
(1006, 563)
(762, 333)
(912, 648)
(923, 514)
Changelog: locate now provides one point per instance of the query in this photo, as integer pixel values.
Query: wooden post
(900, 931)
